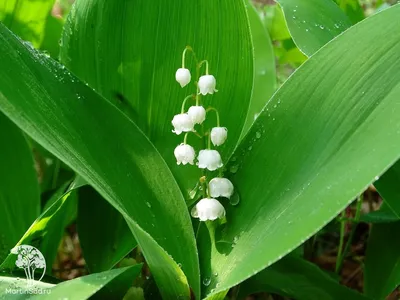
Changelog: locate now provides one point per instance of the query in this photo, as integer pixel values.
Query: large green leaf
(112, 284)
(382, 271)
(133, 62)
(313, 23)
(26, 18)
(86, 286)
(47, 230)
(103, 233)
(19, 187)
(264, 68)
(109, 151)
(319, 142)
(296, 278)
(382, 263)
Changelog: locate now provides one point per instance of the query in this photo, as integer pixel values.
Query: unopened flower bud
(209, 159)
(182, 123)
(184, 154)
(221, 187)
(208, 209)
(183, 76)
(197, 114)
(207, 84)
(218, 135)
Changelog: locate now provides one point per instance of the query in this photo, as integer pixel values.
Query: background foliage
(88, 175)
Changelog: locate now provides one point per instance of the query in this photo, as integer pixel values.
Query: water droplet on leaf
(235, 199)
(206, 281)
(233, 169)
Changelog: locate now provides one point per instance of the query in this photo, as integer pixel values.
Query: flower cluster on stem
(208, 208)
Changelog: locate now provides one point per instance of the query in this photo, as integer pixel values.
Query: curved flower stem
(216, 112)
(194, 132)
(209, 140)
(184, 102)
(201, 63)
(188, 48)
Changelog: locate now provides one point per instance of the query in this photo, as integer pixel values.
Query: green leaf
(133, 62)
(382, 272)
(52, 36)
(274, 21)
(264, 68)
(48, 229)
(319, 142)
(296, 278)
(352, 9)
(101, 227)
(109, 151)
(313, 23)
(383, 215)
(19, 192)
(20, 288)
(86, 286)
(26, 18)
(388, 186)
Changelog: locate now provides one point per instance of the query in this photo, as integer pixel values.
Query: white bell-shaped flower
(197, 113)
(182, 123)
(184, 154)
(207, 84)
(183, 76)
(208, 209)
(209, 159)
(220, 187)
(219, 135)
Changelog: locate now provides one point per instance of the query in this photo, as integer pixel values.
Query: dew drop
(206, 281)
(216, 274)
(148, 204)
(250, 148)
(235, 199)
(233, 169)
(322, 27)
(258, 134)
(376, 177)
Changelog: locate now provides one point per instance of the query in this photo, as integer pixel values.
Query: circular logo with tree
(30, 259)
